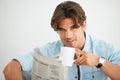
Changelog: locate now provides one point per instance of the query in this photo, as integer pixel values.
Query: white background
(25, 24)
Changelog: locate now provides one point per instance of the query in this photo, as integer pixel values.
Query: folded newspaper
(46, 68)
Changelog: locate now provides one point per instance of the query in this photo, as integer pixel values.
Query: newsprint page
(46, 68)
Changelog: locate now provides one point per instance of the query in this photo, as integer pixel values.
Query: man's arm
(110, 69)
(13, 71)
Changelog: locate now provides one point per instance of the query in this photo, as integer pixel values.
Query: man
(95, 59)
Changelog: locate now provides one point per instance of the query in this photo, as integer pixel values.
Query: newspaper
(46, 68)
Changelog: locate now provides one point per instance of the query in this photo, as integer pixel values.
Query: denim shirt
(94, 46)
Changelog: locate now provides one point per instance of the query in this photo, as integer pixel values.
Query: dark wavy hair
(68, 9)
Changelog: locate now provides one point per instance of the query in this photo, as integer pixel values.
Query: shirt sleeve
(108, 51)
(115, 57)
(26, 61)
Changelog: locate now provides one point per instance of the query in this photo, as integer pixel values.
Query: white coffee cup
(67, 55)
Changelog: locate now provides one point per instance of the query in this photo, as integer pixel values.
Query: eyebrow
(73, 26)
(59, 28)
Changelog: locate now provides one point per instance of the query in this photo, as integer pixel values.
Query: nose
(68, 34)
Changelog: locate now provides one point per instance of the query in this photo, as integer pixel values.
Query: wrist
(97, 60)
(101, 62)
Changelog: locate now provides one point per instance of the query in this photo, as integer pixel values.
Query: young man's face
(70, 36)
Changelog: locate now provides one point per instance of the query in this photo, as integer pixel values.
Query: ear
(84, 25)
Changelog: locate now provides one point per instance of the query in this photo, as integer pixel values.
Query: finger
(80, 60)
(78, 53)
(77, 49)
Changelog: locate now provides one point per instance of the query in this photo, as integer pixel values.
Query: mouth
(70, 41)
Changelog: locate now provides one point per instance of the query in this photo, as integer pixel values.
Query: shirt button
(75, 77)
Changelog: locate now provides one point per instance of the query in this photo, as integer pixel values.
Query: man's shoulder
(51, 48)
(53, 43)
(101, 44)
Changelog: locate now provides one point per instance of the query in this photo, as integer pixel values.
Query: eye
(73, 27)
(60, 29)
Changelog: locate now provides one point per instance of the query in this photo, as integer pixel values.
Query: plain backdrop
(25, 24)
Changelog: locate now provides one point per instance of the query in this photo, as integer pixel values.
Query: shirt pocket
(95, 75)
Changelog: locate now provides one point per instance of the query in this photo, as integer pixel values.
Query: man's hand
(12, 71)
(86, 58)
